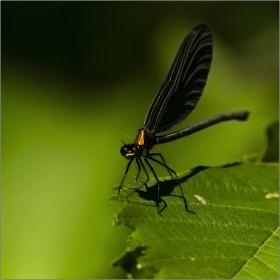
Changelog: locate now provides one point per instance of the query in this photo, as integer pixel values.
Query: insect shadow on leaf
(167, 187)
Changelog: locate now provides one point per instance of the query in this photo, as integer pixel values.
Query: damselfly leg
(170, 171)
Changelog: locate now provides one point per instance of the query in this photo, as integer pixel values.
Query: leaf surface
(233, 230)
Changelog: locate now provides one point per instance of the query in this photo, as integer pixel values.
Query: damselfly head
(128, 151)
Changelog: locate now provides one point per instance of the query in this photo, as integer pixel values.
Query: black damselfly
(175, 100)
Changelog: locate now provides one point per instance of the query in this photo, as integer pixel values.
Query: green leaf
(264, 263)
(233, 230)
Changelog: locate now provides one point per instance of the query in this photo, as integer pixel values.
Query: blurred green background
(77, 78)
